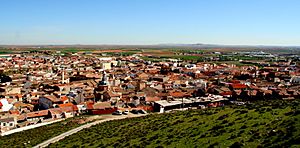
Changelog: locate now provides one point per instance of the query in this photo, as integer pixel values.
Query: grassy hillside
(264, 124)
(32, 137)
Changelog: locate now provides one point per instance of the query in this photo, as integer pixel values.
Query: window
(4, 124)
(11, 124)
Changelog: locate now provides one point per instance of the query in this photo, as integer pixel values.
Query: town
(44, 86)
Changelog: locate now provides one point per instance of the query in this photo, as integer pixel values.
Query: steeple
(63, 76)
(104, 80)
(102, 87)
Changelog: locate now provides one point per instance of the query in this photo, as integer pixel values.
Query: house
(23, 106)
(38, 116)
(7, 124)
(160, 78)
(56, 113)
(167, 86)
(33, 96)
(111, 96)
(64, 99)
(34, 101)
(212, 100)
(13, 90)
(143, 76)
(238, 86)
(48, 101)
(152, 98)
(81, 108)
(295, 80)
(68, 109)
(100, 108)
(106, 65)
(164, 105)
(141, 85)
(177, 94)
(141, 96)
(5, 105)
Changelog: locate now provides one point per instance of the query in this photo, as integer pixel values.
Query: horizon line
(159, 44)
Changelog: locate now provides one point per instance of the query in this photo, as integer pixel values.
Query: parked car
(142, 111)
(126, 112)
(134, 111)
(117, 112)
(201, 107)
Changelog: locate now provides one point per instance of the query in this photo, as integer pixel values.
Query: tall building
(103, 86)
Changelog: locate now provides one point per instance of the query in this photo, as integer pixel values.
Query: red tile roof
(177, 94)
(37, 114)
(64, 98)
(238, 86)
(15, 112)
(102, 105)
(235, 81)
(52, 98)
(226, 93)
(152, 99)
(68, 107)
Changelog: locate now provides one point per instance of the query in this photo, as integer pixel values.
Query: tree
(199, 92)
(4, 78)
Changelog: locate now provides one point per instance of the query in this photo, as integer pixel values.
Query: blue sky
(235, 22)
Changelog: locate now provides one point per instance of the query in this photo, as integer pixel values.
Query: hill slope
(32, 137)
(268, 124)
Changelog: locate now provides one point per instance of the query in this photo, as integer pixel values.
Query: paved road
(75, 130)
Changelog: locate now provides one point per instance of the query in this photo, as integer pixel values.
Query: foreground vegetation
(32, 137)
(263, 124)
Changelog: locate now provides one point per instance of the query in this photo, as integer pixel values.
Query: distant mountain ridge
(167, 45)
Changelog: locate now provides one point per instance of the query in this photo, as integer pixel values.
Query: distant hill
(192, 46)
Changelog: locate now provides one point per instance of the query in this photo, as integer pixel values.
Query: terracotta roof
(225, 89)
(234, 81)
(226, 93)
(253, 87)
(111, 94)
(89, 106)
(268, 91)
(68, 107)
(7, 120)
(177, 94)
(52, 98)
(152, 99)
(64, 98)
(37, 114)
(14, 112)
(37, 93)
(55, 111)
(102, 105)
(21, 117)
(238, 86)
(238, 92)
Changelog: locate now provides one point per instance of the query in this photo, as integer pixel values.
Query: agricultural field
(5, 51)
(263, 124)
(32, 137)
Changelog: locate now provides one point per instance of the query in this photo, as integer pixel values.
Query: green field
(35, 136)
(263, 124)
(4, 51)
(185, 57)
